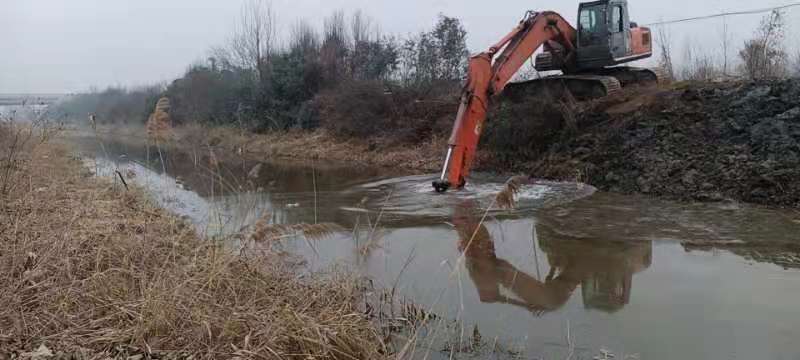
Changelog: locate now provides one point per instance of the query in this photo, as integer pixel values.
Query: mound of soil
(695, 141)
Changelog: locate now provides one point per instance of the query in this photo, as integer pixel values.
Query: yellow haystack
(158, 124)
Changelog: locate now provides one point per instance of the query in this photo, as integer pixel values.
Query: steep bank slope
(707, 142)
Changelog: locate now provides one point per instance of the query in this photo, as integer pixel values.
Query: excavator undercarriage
(597, 84)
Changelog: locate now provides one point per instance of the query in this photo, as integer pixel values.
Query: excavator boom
(487, 75)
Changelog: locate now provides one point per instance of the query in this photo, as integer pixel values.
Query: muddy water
(571, 273)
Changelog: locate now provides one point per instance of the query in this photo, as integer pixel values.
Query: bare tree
(773, 31)
(360, 27)
(698, 64)
(796, 64)
(705, 67)
(409, 54)
(359, 32)
(303, 39)
(451, 38)
(764, 56)
(726, 41)
(254, 39)
(224, 57)
(334, 47)
(665, 49)
(686, 70)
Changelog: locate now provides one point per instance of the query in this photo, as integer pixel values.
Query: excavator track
(609, 84)
(600, 83)
(629, 75)
(581, 87)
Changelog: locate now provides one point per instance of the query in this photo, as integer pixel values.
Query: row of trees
(256, 81)
(359, 80)
(125, 106)
(260, 81)
(763, 56)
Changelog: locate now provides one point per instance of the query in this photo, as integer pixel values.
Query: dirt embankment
(89, 269)
(692, 141)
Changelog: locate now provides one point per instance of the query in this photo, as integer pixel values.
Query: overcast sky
(63, 46)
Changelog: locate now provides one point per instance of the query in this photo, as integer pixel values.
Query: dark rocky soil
(691, 141)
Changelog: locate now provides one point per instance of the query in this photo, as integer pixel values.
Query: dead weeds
(89, 268)
(265, 231)
(321, 145)
(506, 198)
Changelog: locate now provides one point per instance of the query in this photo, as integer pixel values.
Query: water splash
(414, 196)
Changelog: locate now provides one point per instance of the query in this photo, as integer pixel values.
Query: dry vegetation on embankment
(321, 145)
(90, 269)
(295, 144)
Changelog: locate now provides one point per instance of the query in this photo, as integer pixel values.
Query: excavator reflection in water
(604, 270)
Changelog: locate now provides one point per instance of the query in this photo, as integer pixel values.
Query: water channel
(570, 273)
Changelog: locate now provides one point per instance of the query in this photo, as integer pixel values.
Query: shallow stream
(570, 273)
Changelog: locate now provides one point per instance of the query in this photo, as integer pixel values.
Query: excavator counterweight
(586, 56)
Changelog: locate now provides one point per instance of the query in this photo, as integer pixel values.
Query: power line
(733, 13)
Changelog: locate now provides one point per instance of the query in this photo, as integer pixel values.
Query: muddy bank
(699, 142)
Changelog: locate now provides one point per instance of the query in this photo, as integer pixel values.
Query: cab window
(592, 22)
(617, 21)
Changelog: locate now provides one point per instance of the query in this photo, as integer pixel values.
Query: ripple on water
(413, 195)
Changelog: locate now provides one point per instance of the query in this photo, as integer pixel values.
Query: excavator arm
(487, 75)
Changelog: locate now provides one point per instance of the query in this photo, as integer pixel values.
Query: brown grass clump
(505, 199)
(264, 230)
(87, 268)
(158, 124)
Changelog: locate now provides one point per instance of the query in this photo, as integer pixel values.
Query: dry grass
(265, 230)
(88, 268)
(321, 145)
(302, 145)
(506, 198)
(158, 124)
(15, 138)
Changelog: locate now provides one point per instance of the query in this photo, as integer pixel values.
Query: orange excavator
(588, 57)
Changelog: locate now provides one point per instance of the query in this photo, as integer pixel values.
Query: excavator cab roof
(601, 2)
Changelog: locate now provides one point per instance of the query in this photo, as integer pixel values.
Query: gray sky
(71, 45)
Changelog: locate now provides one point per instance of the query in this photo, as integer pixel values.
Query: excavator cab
(607, 37)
